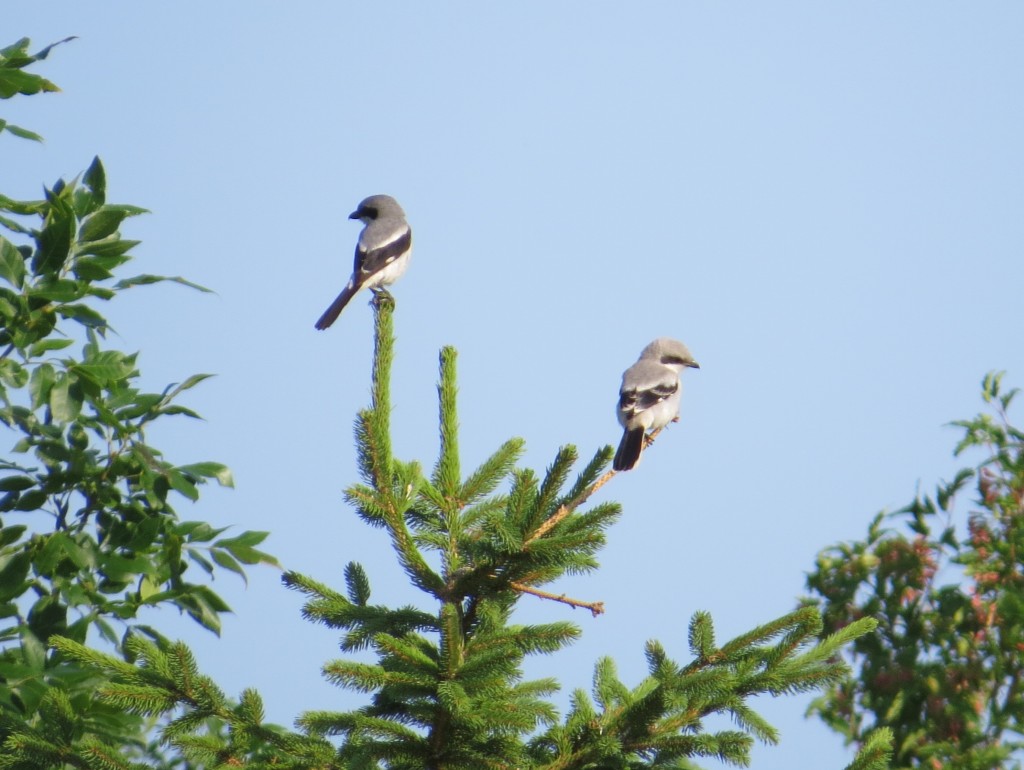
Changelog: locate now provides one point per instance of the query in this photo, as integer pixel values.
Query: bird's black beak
(354, 215)
(693, 364)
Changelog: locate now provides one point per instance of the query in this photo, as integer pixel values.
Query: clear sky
(823, 200)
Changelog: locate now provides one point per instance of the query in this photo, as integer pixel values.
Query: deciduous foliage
(89, 535)
(945, 670)
(15, 80)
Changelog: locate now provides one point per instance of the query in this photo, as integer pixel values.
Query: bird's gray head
(670, 352)
(377, 207)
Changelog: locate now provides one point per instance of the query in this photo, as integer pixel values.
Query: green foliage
(945, 671)
(89, 535)
(14, 80)
(212, 733)
(445, 683)
(658, 723)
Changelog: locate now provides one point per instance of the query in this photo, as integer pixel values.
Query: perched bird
(382, 253)
(649, 396)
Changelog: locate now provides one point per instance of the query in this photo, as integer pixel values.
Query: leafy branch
(14, 80)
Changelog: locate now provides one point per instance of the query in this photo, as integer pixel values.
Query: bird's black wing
(640, 399)
(371, 259)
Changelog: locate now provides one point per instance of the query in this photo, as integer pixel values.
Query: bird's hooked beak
(365, 213)
(680, 361)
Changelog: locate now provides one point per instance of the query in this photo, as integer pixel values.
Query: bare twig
(596, 608)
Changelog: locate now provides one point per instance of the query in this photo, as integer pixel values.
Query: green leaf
(143, 404)
(43, 346)
(203, 605)
(105, 221)
(24, 133)
(16, 483)
(21, 47)
(33, 651)
(9, 310)
(16, 51)
(191, 382)
(40, 383)
(148, 588)
(28, 208)
(12, 373)
(246, 539)
(14, 226)
(87, 270)
(201, 560)
(13, 572)
(110, 247)
(58, 290)
(106, 262)
(143, 280)
(54, 242)
(107, 631)
(248, 555)
(17, 82)
(47, 617)
(105, 368)
(32, 500)
(181, 484)
(197, 531)
(10, 535)
(12, 264)
(228, 562)
(95, 179)
(84, 315)
(65, 398)
(121, 568)
(210, 470)
(180, 410)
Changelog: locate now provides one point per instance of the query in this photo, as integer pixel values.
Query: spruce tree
(446, 689)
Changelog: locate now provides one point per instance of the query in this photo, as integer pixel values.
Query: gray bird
(382, 253)
(649, 396)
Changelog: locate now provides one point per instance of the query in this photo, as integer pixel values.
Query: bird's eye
(370, 211)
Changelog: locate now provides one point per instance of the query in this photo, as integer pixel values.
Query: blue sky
(822, 200)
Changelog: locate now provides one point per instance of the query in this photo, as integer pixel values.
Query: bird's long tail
(331, 314)
(628, 453)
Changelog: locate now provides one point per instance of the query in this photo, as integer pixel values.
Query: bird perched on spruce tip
(382, 252)
(649, 396)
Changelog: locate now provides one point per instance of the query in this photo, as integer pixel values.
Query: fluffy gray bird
(382, 253)
(649, 396)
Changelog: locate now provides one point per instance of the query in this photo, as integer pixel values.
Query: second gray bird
(382, 253)
(649, 396)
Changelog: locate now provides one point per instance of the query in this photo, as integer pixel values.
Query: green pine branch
(445, 689)
(197, 718)
(659, 721)
(445, 682)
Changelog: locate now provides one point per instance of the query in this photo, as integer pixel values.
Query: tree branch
(566, 508)
(596, 608)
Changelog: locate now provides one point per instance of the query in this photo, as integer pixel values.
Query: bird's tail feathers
(628, 453)
(331, 314)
